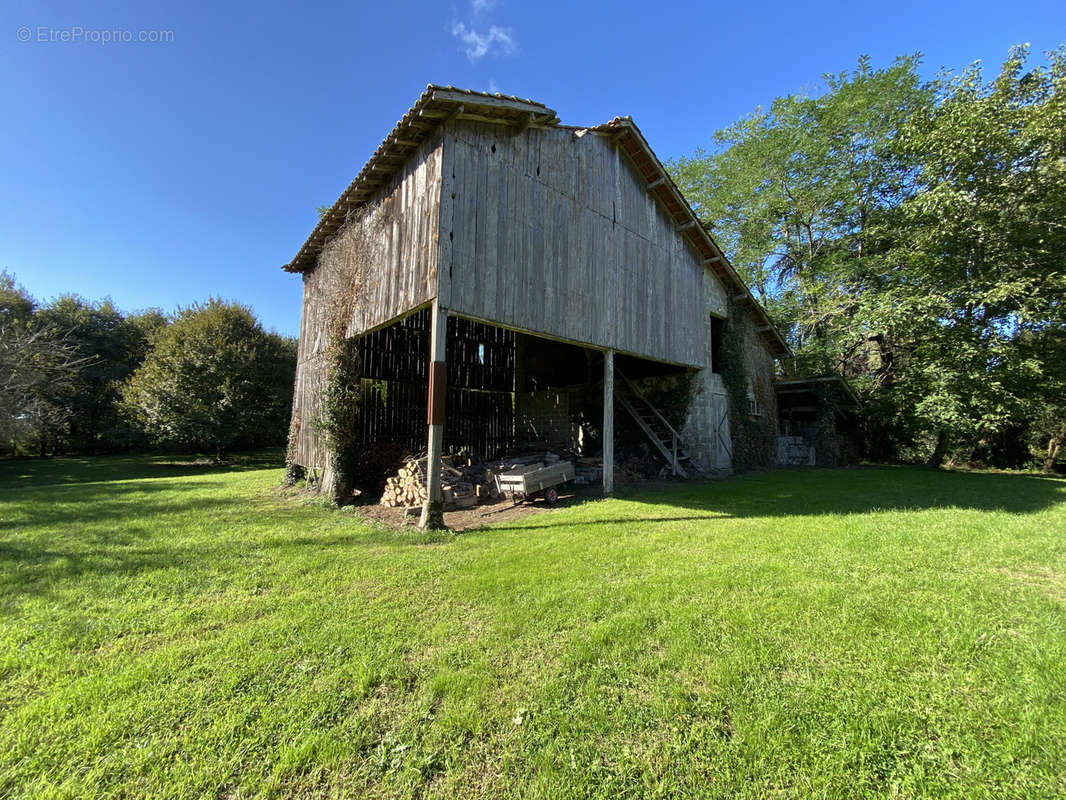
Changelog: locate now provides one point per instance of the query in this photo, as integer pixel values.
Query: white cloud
(493, 88)
(477, 45)
(479, 6)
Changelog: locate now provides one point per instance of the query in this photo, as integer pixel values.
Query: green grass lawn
(187, 631)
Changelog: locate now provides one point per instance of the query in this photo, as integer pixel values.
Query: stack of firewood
(407, 487)
(461, 487)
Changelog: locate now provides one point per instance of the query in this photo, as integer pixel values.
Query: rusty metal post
(433, 506)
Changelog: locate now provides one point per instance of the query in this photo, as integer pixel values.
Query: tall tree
(792, 190)
(38, 367)
(214, 378)
(114, 345)
(904, 234)
(985, 243)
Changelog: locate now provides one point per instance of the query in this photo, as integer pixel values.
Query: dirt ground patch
(490, 513)
(503, 510)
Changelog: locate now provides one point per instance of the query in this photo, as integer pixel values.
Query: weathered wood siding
(555, 233)
(376, 269)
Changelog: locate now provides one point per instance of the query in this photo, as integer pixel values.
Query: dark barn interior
(506, 392)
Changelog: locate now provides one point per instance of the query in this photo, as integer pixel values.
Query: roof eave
(662, 184)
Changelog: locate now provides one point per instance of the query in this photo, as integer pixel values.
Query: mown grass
(187, 631)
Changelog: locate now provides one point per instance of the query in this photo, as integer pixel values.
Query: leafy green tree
(39, 366)
(113, 345)
(16, 305)
(906, 235)
(796, 193)
(985, 242)
(214, 379)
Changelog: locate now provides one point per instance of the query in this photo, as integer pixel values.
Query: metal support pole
(433, 507)
(608, 422)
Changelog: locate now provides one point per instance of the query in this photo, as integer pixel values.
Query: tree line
(78, 376)
(911, 236)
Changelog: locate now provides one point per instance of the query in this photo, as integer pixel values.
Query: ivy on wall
(754, 437)
(337, 423)
(294, 472)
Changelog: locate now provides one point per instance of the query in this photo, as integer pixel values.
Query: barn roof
(436, 105)
(440, 104)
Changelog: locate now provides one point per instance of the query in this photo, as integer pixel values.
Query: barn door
(723, 440)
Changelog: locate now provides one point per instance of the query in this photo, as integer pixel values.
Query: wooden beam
(763, 329)
(467, 116)
(595, 345)
(525, 123)
(713, 260)
(608, 422)
(657, 182)
(823, 379)
(686, 226)
(442, 114)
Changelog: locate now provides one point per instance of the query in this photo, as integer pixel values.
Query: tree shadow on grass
(62, 532)
(23, 473)
(84, 507)
(30, 568)
(787, 493)
(89, 545)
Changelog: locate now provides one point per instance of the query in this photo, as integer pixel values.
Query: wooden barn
(508, 279)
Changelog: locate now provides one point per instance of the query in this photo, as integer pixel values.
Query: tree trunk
(1053, 448)
(220, 454)
(335, 486)
(939, 451)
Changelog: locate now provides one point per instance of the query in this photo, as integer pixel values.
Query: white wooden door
(723, 440)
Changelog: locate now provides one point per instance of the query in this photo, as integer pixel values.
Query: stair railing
(674, 436)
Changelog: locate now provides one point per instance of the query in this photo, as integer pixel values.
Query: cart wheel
(551, 495)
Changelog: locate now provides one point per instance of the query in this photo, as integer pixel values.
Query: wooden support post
(433, 506)
(608, 422)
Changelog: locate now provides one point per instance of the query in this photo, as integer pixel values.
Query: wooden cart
(525, 483)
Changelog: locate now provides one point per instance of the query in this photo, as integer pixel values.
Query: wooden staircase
(660, 432)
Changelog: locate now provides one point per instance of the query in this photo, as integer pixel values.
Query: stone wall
(754, 435)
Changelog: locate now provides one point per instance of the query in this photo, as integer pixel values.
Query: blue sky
(163, 172)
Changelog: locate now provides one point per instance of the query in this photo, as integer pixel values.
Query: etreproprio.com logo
(79, 34)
